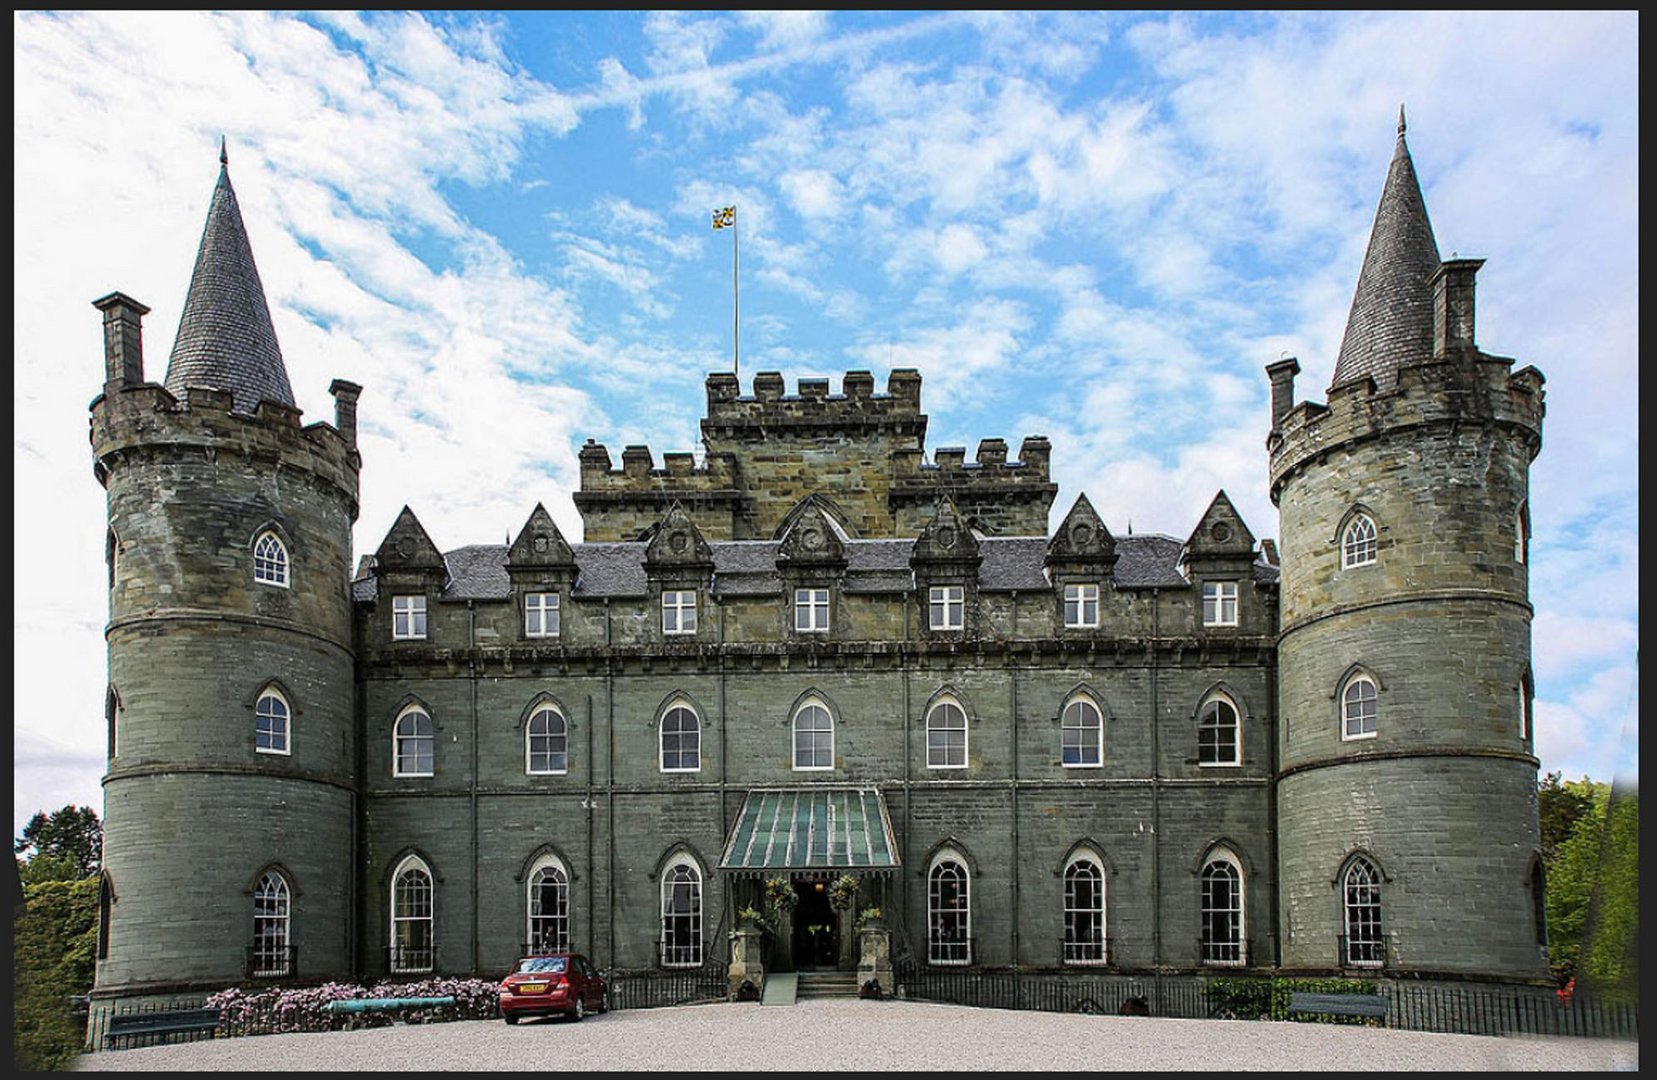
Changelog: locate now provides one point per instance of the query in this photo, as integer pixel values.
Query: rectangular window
(1219, 603)
(408, 617)
(541, 615)
(811, 611)
(948, 603)
(1081, 606)
(679, 612)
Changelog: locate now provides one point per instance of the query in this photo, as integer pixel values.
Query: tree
(55, 941)
(1560, 804)
(67, 844)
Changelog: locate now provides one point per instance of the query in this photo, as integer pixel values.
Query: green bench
(1367, 1005)
(125, 1027)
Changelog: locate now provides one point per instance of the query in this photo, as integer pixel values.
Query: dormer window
(408, 618)
(947, 604)
(679, 612)
(811, 611)
(541, 615)
(1219, 603)
(1358, 542)
(1081, 606)
(270, 561)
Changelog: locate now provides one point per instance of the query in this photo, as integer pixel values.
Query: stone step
(828, 984)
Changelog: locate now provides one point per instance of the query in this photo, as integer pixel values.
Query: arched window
(813, 737)
(271, 724)
(549, 907)
(948, 912)
(412, 942)
(413, 743)
(106, 905)
(270, 560)
(1538, 901)
(1222, 911)
(1219, 735)
(1358, 542)
(1084, 912)
(682, 915)
(1527, 699)
(112, 550)
(946, 736)
(1362, 945)
(112, 706)
(1521, 534)
(681, 740)
(1358, 710)
(546, 743)
(272, 908)
(1083, 735)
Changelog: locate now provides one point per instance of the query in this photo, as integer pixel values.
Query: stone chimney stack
(1282, 375)
(123, 340)
(1453, 305)
(345, 409)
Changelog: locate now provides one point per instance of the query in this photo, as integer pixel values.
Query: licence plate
(532, 988)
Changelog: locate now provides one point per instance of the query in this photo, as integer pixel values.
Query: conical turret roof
(225, 338)
(1391, 322)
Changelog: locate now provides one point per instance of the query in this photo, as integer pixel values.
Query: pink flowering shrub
(274, 1012)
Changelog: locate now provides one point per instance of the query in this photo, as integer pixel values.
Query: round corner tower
(1407, 818)
(229, 797)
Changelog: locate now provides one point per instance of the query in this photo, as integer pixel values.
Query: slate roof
(748, 568)
(1391, 321)
(225, 337)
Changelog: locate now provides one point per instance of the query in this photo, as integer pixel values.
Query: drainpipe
(610, 790)
(587, 807)
(908, 791)
(1156, 788)
(472, 679)
(1012, 707)
(724, 815)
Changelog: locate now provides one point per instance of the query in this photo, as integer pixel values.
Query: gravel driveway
(883, 1035)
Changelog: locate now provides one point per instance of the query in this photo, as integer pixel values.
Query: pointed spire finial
(1400, 121)
(224, 153)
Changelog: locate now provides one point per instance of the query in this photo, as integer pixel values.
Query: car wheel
(579, 1011)
(510, 1018)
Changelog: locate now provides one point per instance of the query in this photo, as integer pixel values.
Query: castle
(817, 673)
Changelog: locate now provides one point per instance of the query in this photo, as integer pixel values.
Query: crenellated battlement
(812, 408)
(1469, 387)
(147, 417)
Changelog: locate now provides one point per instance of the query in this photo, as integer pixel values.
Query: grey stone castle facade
(818, 661)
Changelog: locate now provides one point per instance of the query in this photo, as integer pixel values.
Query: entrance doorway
(816, 927)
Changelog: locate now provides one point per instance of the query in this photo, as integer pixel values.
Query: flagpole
(736, 306)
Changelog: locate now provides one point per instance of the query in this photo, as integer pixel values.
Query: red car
(552, 983)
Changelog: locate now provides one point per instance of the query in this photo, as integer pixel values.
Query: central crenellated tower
(1407, 819)
(231, 779)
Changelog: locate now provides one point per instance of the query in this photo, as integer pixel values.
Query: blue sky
(1095, 227)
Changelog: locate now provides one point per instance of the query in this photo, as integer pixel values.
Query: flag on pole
(725, 219)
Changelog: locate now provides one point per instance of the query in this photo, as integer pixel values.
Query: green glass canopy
(812, 828)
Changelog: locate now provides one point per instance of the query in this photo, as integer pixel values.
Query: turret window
(271, 724)
(1521, 534)
(541, 615)
(272, 906)
(270, 561)
(549, 907)
(1358, 711)
(413, 743)
(408, 618)
(948, 912)
(682, 915)
(1081, 606)
(1084, 912)
(1358, 542)
(1362, 945)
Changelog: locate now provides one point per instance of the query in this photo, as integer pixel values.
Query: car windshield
(542, 964)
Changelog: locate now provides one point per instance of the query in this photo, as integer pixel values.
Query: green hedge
(1252, 999)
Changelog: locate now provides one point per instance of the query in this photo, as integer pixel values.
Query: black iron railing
(271, 962)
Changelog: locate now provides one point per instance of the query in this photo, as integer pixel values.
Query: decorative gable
(1082, 545)
(812, 539)
(946, 545)
(1221, 539)
(408, 550)
(539, 546)
(677, 549)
